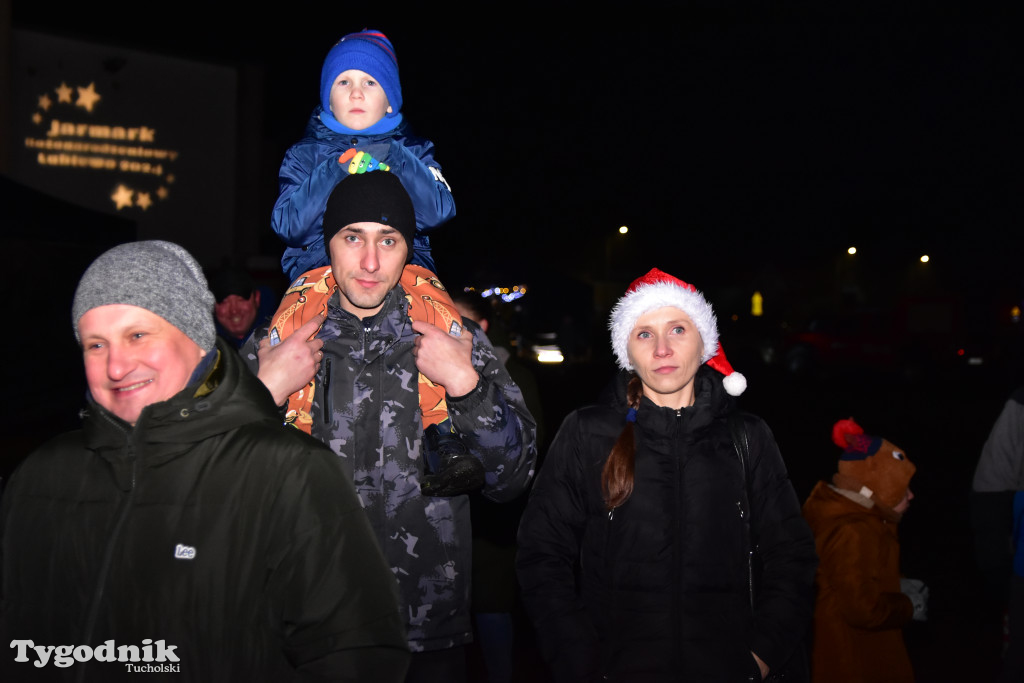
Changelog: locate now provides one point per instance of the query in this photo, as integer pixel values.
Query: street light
(608, 250)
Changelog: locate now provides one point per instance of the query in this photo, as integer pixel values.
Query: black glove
(454, 470)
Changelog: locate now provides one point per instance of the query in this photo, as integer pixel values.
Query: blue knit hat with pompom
(368, 51)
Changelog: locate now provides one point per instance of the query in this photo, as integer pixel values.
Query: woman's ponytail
(617, 475)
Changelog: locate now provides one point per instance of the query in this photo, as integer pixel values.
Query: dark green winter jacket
(208, 526)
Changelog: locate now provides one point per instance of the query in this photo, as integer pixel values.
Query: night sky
(731, 142)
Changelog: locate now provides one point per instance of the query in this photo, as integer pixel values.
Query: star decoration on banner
(122, 197)
(77, 130)
(63, 93)
(87, 97)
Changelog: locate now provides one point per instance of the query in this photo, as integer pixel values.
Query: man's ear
(256, 297)
(484, 325)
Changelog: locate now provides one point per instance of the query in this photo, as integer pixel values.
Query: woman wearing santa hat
(663, 540)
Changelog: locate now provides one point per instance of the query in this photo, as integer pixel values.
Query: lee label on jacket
(184, 552)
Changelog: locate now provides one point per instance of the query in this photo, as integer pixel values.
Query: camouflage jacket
(366, 409)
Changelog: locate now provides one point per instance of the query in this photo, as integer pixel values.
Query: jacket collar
(711, 401)
(227, 397)
(316, 129)
(392, 319)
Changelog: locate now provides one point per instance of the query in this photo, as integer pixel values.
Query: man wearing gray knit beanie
(182, 510)
(150, 300)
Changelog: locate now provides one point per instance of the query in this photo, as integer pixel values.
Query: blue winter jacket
(310, 171)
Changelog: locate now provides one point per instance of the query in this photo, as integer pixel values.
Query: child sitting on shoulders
(357, 128)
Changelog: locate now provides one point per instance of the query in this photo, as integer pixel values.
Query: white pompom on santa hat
(658, 289)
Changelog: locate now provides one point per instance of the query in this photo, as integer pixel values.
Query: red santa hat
(656, 290)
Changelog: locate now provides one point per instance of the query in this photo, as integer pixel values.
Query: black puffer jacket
(658, 591)
(209, 526)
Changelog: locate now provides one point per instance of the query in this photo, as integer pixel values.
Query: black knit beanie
(375, 197)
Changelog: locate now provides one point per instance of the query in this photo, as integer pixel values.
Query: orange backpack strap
(306, 297)
(429, 301)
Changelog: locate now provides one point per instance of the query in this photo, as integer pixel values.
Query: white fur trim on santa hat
(647, 298)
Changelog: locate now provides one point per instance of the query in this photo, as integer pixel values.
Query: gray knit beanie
(159, 276)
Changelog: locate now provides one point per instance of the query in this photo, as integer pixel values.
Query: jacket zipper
(108, 555)
(328, 403)
(609, 566)
(381, 370)
(750, 552)
(677, 550)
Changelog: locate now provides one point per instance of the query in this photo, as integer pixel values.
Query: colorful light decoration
(506, 294)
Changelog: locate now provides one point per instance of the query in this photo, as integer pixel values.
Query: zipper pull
(611, 513)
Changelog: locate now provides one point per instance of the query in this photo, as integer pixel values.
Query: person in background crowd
(997, 507)
(240, 305)
(495, 591)
(863, 603)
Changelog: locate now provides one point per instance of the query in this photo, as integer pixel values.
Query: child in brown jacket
(862, 602)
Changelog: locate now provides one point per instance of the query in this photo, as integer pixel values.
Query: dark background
(746, 149)
(724, 138)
